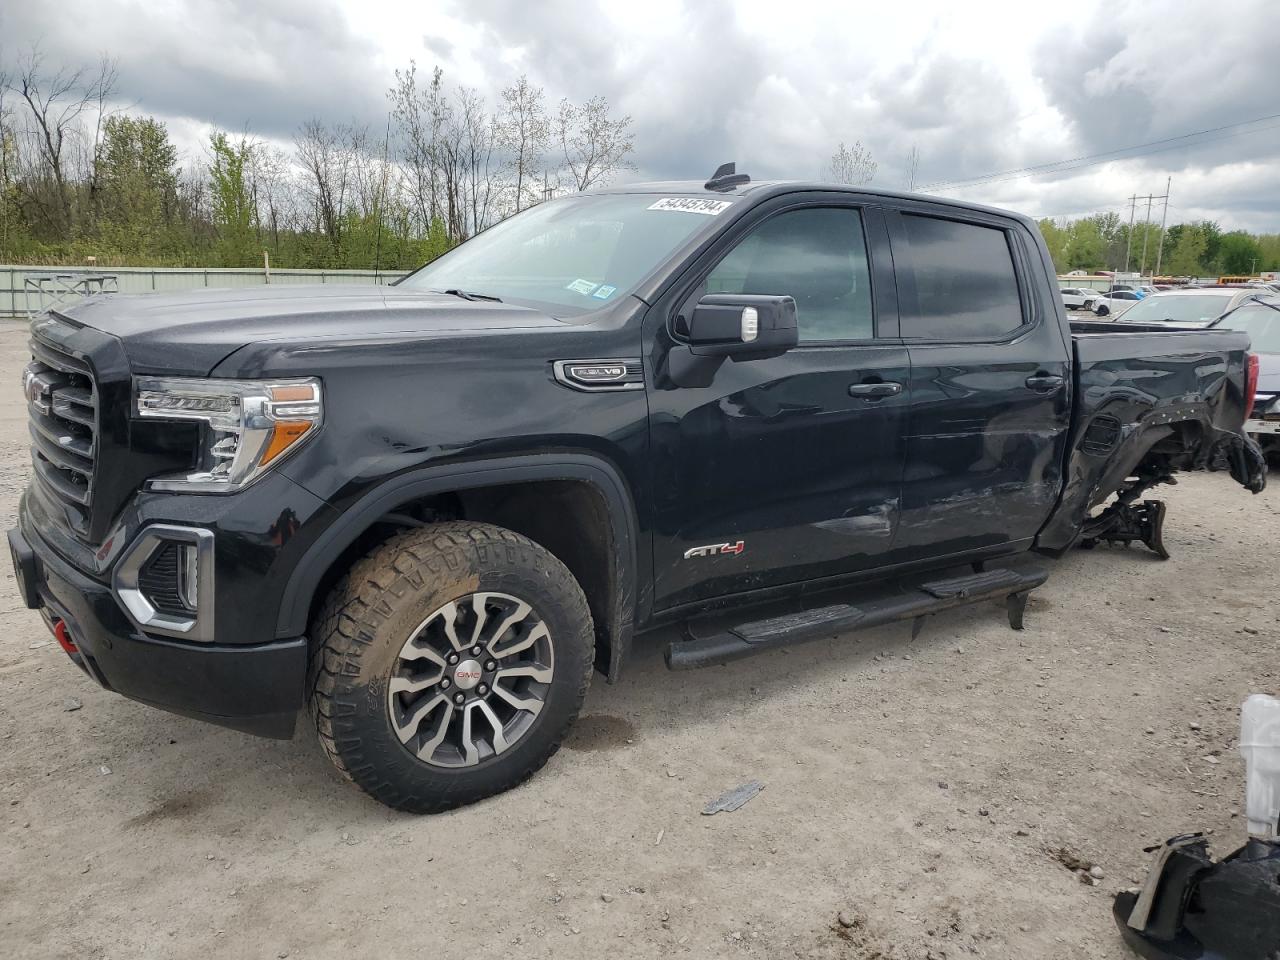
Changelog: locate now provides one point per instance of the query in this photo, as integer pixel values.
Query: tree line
(1199, 249)
(80, 178)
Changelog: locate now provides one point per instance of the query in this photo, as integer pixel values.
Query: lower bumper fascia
(258, 688)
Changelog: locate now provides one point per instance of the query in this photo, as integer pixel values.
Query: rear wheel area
(452, 662)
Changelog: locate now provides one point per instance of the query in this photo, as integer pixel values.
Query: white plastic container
(1260, 747)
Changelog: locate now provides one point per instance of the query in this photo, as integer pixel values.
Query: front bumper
(257, 688)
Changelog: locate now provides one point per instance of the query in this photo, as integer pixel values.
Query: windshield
(1177, 309)
(1262, 323)
(572, 255)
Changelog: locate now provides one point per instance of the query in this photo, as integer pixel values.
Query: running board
(705, 644)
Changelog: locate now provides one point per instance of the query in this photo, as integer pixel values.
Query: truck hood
(189, 333)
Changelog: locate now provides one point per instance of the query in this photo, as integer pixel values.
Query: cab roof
(759, 190)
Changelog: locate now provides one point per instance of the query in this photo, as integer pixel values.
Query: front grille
(62, 403)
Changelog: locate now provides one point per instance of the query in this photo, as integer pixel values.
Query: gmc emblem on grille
(38, 386)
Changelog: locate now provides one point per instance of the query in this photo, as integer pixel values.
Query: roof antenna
(725, 178)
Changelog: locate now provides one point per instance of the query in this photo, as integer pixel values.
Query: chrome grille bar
(62, 406)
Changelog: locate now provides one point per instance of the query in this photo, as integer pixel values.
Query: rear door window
(960, 281)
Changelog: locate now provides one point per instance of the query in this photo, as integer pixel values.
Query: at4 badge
(715, 550)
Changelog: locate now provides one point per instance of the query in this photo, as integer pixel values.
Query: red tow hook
(63, 636)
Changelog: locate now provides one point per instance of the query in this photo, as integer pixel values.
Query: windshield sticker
(604, 292)
(581, 286)
(710, 208)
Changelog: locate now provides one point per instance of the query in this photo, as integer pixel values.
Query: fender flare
(295, 602)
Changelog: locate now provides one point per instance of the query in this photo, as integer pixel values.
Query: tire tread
(347, 623)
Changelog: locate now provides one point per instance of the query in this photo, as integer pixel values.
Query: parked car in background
(1260, 318)
(1187, 308)
(1079, 298)
(1115, 302)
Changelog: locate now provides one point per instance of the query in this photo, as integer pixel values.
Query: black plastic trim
(295, 604)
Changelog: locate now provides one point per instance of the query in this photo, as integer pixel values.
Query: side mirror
(742, 325)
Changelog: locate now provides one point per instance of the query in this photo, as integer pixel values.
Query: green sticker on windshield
(581, 286)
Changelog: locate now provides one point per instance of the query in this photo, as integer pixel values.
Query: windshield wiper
(470, 295)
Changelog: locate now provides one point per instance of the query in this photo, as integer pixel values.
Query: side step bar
(704, 644)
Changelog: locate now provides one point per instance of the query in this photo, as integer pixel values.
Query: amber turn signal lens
(283, 436)
(292, 391)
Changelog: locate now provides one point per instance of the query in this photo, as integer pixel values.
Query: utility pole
(1128, 240)
(382, 195)
(1146, 234)
(1164, 216)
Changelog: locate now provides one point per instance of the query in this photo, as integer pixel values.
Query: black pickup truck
(755, 412)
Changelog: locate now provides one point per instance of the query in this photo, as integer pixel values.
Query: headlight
(249, 425)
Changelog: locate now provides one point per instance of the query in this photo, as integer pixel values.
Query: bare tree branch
(595, 145)
(852, 165)
(523, 131)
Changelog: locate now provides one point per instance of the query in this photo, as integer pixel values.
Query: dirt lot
(916, 788)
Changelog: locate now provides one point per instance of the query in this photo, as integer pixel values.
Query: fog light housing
(165, 582)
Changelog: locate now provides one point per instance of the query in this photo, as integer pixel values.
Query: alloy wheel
(470, 680)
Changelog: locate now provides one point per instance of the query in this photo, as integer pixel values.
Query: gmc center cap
(467, 674)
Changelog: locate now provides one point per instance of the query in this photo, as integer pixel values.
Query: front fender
(299, 592)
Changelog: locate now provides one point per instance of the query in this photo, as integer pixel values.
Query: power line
(1087, 160)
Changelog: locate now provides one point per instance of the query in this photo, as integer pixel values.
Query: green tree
(231, 201)
(1186, 257)
(1239, 253)
(1086, 248)
(1269, 243)
(1055, 239)
(1212, 239)
(138, 187)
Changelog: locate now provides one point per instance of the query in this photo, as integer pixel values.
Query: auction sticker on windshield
(710, 208)
(581, 286)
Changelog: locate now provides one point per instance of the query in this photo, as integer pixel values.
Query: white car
(1115, 303)
(1187, 308)
(1079, 298)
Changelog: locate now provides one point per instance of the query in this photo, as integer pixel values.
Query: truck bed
(1150, 401)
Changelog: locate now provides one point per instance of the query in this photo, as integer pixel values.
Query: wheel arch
(588, 490)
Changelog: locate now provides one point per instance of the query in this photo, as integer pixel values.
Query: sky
(977, 89)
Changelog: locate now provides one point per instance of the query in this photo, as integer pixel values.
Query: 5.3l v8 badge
(715, 550)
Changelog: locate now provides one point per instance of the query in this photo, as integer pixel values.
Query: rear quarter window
(964, 281)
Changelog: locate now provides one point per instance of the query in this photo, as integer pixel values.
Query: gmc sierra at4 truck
(754, 413)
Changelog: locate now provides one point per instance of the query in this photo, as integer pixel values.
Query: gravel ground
(916, 793)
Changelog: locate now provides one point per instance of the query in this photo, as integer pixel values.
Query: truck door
(784, 469)
(990, 383)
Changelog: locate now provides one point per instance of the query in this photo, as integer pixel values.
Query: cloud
(712, 80)
(265, 66)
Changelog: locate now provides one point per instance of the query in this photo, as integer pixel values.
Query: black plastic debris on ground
(1191, 908)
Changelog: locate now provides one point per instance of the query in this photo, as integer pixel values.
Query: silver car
(1187, 308)
(1260, 318)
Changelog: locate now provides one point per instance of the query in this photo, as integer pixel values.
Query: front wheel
(1103, 311)
(452, 662)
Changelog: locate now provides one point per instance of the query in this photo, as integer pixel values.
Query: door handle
(875, 390)
(1045, 382)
